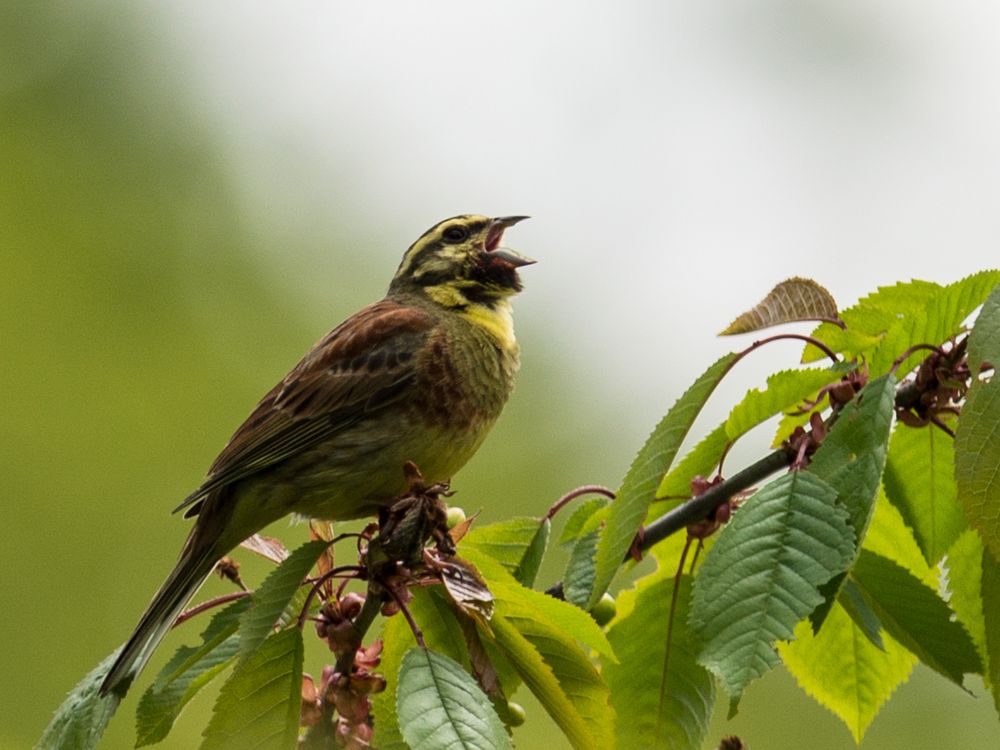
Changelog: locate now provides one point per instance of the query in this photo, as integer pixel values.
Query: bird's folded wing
(362, 366)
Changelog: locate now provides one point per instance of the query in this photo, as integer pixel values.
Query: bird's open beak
(505, 254)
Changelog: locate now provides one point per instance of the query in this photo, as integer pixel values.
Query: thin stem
(210, 604)
(364, 620)
(798, 336)
(586, 489)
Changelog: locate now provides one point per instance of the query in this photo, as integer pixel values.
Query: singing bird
(419, 376)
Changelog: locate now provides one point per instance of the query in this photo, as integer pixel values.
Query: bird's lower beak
(505, 254)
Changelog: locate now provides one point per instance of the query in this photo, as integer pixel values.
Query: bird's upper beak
(494, 236)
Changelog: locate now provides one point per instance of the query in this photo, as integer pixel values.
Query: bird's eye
(455, 233)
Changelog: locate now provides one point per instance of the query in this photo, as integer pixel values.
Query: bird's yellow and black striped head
(460, 261)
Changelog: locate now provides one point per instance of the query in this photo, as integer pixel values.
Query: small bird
(419, 376)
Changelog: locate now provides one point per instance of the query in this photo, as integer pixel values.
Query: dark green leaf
(851, 459)
(441, 632)
(977, 447)
(190, 669)
(919, 480)
(662, 700)
(259, 705)
(269, 601)
(647, 470)
(915, 616)
(963, 579)
(578, 578)
(518, 544)
(761, 577)
(441, 706)
(854, 603)
(81, 719)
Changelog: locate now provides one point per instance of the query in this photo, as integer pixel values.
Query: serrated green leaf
(871, 318)
(190, 669)
(580, 522)
(919, 480)
(661, 700)
(977, 445)
(852, 456)
(643, 477)
(259, 705)
(915, 615)
(519, 544)
(785, 390)
(843, 671)
(560, 676)
(762, 575)
(441, 632)
(851, 459)
(441, 706)
(699, 461)
(269, 601)
(991, 622)
(578, 578)
(936, 322)
(560, 616)
(81, 719)
(890, 537)
(963, 571)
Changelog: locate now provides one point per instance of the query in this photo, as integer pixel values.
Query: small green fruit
(515, 714)
(604, 611)
(455, 516)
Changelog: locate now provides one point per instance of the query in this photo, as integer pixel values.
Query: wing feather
(359, 368)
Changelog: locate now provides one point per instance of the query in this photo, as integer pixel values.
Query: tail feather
(195, 563)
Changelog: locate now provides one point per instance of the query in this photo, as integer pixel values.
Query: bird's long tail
(196, 562)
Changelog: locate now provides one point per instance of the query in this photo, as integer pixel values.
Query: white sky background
(678, 158)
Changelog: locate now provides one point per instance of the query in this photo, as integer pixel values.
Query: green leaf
(441, 632)
(939, 320)
(519, 544)
(661, 700)
(640, 483)
(700, 461)
(785, 389)
(583, 520)
(81, 719)
(963, 571)
(852, 456)
(570, 621)
(854, 603)
(761, 577)
(259, 705)
(578, 578)
(190, 669)
(977, 447)
(843, 671)
(991, 622)
(916, 616)
(268, 602)
(441, 706)
(919, 480)
(851, 459)
(559, 674)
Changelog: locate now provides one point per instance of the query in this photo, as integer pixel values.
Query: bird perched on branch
(419, 376)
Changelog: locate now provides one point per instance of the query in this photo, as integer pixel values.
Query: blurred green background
(160, 270)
